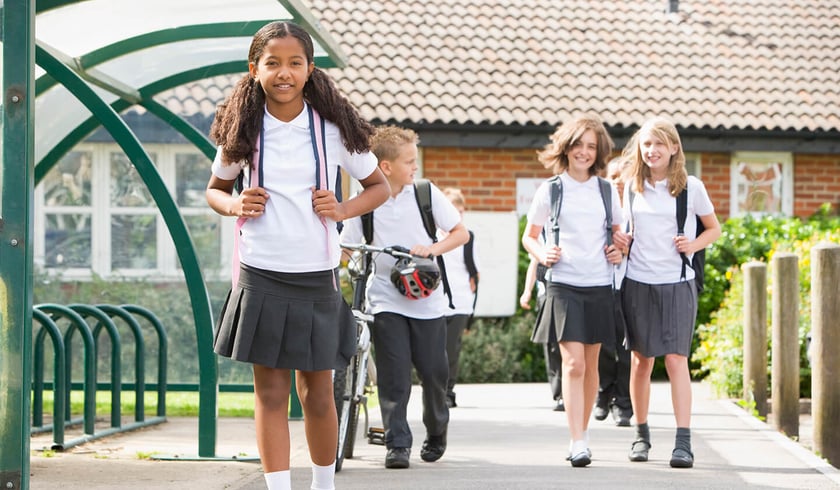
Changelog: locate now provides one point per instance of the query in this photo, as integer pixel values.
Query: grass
(178, 403)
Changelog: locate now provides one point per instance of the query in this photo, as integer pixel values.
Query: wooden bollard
(785, 345)
(825, 349)
(755, 335)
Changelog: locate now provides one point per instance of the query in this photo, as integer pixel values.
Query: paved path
(501, 436)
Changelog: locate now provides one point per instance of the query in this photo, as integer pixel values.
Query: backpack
(319, 150)
(556, 201)
(423, 195)
(698, 261)
(469, 261)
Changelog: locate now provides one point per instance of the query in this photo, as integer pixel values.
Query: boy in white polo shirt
(408, 331)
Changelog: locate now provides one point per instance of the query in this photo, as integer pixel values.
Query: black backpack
(698, 261)
(423, 194)
(556, 200)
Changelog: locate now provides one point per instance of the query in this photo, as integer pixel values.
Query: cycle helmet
(415, 278)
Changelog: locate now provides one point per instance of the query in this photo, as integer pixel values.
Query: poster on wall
(497, 247)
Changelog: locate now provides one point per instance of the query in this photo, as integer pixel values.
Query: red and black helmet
(415, 278)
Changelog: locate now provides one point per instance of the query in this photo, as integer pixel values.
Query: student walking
(582, 211)
(659, 294)
(282, 132)
(409, 327)
(535, 276)
(614, 363)
(462, 269)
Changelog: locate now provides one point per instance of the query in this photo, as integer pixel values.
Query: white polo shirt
(582, 233)
(653, 256)
(289, 236)
(398, 222)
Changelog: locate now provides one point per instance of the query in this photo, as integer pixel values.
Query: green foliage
(499, 350)
(720, 341)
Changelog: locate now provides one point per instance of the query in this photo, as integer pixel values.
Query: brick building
(753, 87)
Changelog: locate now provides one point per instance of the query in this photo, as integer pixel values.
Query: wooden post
(825, 355)
(755, 335)
(785, 344)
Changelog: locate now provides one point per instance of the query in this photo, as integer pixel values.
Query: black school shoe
(680, 458)
(397, 457)
(433, 448)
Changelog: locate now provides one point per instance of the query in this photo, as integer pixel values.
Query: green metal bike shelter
(68, 68)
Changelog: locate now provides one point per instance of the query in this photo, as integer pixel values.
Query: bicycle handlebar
(393, 250)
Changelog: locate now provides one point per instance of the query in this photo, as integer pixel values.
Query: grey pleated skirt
(576, 314)
(660, 317)
(286, 320)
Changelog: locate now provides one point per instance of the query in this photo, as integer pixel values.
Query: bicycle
(352, 384)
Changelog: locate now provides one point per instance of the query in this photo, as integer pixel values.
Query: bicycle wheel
(344, 382)
(358, 391)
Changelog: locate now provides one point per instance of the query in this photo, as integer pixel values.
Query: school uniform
(463, 298)
(286, 310)
(406, 331)
(660, 307)
(578, 304)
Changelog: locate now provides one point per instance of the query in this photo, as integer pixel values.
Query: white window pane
(133, 241)
(67, 240)
(127, 187)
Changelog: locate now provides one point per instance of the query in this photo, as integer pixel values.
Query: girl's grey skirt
(660, 317)
(286, 320)
(576, 314)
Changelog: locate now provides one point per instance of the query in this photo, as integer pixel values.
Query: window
(692, 164)
(762, 183)
(94, 214)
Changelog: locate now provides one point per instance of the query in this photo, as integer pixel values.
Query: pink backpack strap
(253, 181)
(317, 133)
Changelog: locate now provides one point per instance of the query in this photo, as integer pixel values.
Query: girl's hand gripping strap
(256, 167)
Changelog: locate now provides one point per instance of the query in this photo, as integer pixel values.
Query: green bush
(720, 341)
(499, 350)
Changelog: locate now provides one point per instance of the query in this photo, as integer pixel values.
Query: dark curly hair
(239, 118)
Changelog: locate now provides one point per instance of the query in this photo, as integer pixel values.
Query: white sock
(278, 480)
(586, 437)
(323, 477)
(577, 447)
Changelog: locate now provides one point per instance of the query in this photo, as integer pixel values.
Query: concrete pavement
(501, 436)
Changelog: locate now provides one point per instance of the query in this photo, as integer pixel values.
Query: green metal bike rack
(77, 323)
(48, 327)
(163, 348)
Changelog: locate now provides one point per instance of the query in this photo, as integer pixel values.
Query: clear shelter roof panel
(105, 22)
(57, 113)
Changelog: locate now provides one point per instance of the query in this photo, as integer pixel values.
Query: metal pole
(17, 28)
(755, 335)
(785, 345)
(825, 324)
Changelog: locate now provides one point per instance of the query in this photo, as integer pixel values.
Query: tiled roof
(741, 64)
(747, 64)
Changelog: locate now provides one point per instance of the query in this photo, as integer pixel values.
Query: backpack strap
(423, 195)
(606, 197)
(556, 200)
(469, 261)
(256, 166)
(469, 257)
(367, 227)
(682, 213)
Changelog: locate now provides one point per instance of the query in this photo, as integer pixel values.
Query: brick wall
(816, 180)
(488, 177)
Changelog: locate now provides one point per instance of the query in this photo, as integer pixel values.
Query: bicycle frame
(352, 384)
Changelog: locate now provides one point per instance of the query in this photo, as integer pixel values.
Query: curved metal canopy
(97, 58)
(123, 49)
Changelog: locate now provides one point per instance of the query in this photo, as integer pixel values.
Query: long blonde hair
(554, 155)
(638, 172)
